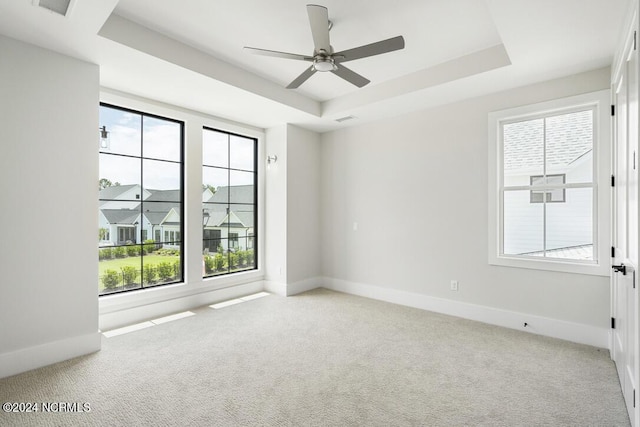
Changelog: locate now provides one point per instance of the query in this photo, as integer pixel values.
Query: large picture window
(545, 207)
(141, 200)
(229, 202)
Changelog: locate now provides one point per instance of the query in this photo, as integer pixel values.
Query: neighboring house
(161, 213)
(569, 159)
(124, 220)
(228, 217)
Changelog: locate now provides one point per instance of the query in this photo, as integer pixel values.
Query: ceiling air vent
(61, 7)
(344, 119)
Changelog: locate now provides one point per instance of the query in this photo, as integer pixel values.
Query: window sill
(128, 300)
(568, 266)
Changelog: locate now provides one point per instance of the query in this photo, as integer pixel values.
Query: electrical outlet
(454, 285)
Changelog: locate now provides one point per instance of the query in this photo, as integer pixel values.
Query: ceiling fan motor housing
(323, 61)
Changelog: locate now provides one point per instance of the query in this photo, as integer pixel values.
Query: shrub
(149, 273)
(149, 246)
(176, 267)
(120, 252)
(105, 253)
(233, 260)
(218, 262)
(242, 258)
(165, 270)
(110, 279)
(209, 264)
(251, 257)
(129, 274)
(133, 250)
(220, 249)
(102, 233)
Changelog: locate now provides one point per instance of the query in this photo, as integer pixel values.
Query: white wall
(48, 169)
(416, 186)
(303, 209)
(276, 207)
(293, 214)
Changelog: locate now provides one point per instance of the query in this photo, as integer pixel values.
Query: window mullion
(544, 195)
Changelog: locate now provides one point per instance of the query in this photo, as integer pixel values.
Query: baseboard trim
(569, 331)
(290, 289)
(26, 359)
(277, 288)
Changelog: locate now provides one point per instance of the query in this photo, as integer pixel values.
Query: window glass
(523, 224)
(161, 139)
(241, 153)
(569, 143)
(523, 153)
(215, 148)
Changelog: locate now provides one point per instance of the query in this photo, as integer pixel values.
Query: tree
(209, 187)
(104, 183)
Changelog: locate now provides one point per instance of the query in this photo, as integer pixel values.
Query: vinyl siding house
(121, 221)
(228, 218)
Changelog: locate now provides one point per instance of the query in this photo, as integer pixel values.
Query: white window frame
(601, 101)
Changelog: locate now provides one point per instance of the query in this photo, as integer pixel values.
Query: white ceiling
(190, 53)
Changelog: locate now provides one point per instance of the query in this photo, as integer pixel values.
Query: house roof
(233, 194)
(155, 218)
(120, 216)
(246, 218)
(115, 190)
(568, 138)
(163, 196)
(157, 206)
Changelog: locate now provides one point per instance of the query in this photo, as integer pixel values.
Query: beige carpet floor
(325, 359)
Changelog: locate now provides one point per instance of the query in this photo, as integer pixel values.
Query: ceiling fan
(324, 58)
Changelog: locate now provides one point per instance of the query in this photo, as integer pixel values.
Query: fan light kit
(324, 58)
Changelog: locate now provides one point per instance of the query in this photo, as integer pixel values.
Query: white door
(624, 293)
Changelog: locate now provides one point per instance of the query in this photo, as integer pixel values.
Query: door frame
(627, 47)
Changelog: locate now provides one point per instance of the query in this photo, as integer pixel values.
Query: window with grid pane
(229, 202)
(141, 200)
(547, 198)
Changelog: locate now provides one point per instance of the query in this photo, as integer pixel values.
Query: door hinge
(613, 323)
(613, 252)
(613, 181)
(613, 110)
(634, 40)
(634, 397)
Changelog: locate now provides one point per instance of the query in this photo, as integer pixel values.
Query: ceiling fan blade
(302, 78)
(377, 48)
(277, 54)
(350, 76)
(319, 21)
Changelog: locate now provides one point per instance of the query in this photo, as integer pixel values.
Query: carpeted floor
(326, 359)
